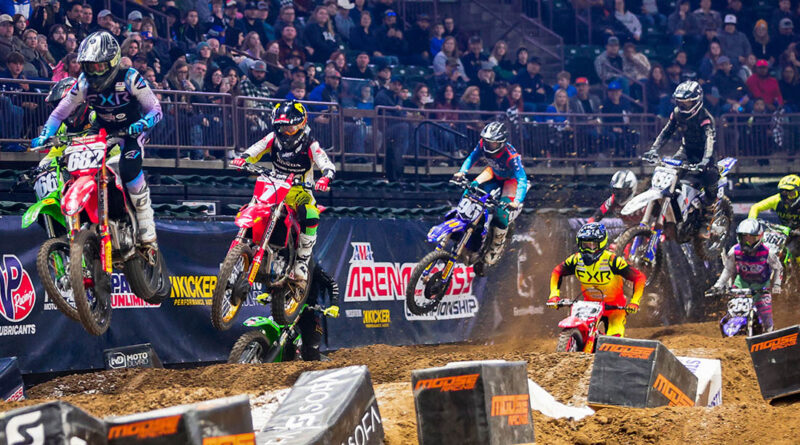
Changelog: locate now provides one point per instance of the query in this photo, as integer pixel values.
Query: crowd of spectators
(348, 51)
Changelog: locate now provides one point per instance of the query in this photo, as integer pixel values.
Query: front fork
(448, 268)
(105, 235)
(262, 248)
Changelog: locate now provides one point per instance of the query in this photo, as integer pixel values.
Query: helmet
(789, 188)
(592, 240)
(99, 56)
(748, 234)
(289, 123)
(623, 183)
(688, 97)
(59, 90)
(494, 135)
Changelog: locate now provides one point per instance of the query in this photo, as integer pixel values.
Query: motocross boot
(495, 250)
(144, 214)
(305, 244)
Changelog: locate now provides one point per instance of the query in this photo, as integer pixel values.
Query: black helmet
(99, 56)
(751, 228)
(494, 136)
(623, 184)
(289, 124)
(59, 90)
(688, 97)
(592, 240)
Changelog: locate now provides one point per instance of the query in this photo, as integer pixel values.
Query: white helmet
(751, 228)
(623, 184)
(688, 97)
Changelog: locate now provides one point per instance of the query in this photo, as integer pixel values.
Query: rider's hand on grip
(332, 312)
(513, 205)
(715, 291)
(458, 176)
(239, 162)
(137, 127)
(553, 301)
(650, 156)
(38, 141)
(323, 184)
(631, 308)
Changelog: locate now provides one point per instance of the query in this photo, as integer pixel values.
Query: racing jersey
(320, 284)
(127, 100)
(758, 267)
(697, 135)
(788, 216)
(602, 280)
(507, 165)
(298, 162)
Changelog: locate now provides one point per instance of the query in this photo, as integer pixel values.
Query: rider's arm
(255, 151)
(666, 133)
(777, 269)
(328, 283)
(600, 213)
(522, 178)
(145, 96)
(566, 268)
(620, 267)
(765, 204)
(728, 271)
(65, 108)
(321, 160)
(711, 136)
(471, 159)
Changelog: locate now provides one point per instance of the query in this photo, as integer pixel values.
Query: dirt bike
(263, 252)
(673, 210)
(52, 260)
(269, 342)
(103, 232)
(462, 237)
(742, 318)
(587, 320)
(776, 238)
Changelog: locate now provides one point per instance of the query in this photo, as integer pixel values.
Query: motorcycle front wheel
(637, 259)
(424, 293)
(91, 285)
(232, 286)
(52, 264)
(709, 248)
(570, 340)
(251, 347)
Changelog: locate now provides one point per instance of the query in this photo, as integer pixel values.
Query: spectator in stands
(215, 82)
(502, 66)
(563, 83)
(534, 89)
(320, 39)
(762, 85)
(743, 18)
(56, 41)
(473, 59)
(628, 19)
(650, 15)
(383, 76)
(197, 74)
(311, 76)
(747, 68)
(485, 82)
(708, 66)
(707, 17)
(446, 101)
(437, 39)
(230, 13)
(8, 42)
(421, 99)
(500, 100)
(783, 12)
(734, 43)
(13, 70)
(43, 48)
(561, 133)
(252, 23)
(730, 88)
(234, 79)
(784, 37)
(297, 74)
(204, 52)
(658, 91)
(521, 64)
(674, 75)
(450, 29)
(71, 43)
(135, 21)
(397, 131)
(328, 91)
(584, 101)
(73, 15)
(362, 37)
(617, 135)
(418, 41)
(449, 50)
(359, 6)
(339, 61)
(343, 21)
(471, 99)
(683, 26)
(790, 89)
(760, 42)
(67, 67)
(360, 69)
(288, 45)
(40, 64)
(252, 46)
(130, 47)
(390, 37)
(451, 76)
(608, 65)
(255, 83)
(105, 20)
(20, 24)
(635, 65)
(217, 17)
(297, 91)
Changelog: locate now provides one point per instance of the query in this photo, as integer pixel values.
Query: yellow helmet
(789, 188)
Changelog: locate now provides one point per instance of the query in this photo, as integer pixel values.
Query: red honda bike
(103, 232)
(587, 320)
(263, 253)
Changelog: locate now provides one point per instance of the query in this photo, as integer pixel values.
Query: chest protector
(787, 215)
(297, 161)
(752, 268)
(598, 281)
(115, 106)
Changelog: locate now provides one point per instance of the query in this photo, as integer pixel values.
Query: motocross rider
(786, 203)
(601, 275)
(292, 149)
(504, 170)
(695, 124)
(623, 186)
(310, 322)
(122, 100)
(753, 266)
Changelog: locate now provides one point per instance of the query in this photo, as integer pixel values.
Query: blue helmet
(592, 239)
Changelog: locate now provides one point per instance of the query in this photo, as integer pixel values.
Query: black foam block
(776, 359)
(52, 423)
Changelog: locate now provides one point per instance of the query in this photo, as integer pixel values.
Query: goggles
(686, 104)
(96, 68)
(590, 246)
(291, 130)
(789, 194)
(749, 240)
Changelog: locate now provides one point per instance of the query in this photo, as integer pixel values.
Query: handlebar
(491, 201)
(694, 168)
(743, 291)
(565, 303)
(64, 139)
(292, 178)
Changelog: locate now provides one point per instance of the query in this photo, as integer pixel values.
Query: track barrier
(776, 359)
(11, 387)
(709, 379)
(57, 423)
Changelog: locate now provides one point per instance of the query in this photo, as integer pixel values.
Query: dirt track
(744, 417)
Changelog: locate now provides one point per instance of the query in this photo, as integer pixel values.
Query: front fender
(252, 215)
(267, 326)
(573, 322)
(639, 201)
(451, 225)
(734, 326)
(82, 194)
(47, 206)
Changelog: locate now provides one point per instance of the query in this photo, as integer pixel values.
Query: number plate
(663, 178)
(774, 241)
(84, 156)
(586, 309)
(469, 209)
(740, 305)
(45, 184)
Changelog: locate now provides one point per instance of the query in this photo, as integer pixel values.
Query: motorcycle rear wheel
(91, 285)
(434, 290)
(570, 340)
(58, 288)
(710, 248)
(232, 286)
(150, 282)
(636, 259)
(251, 347)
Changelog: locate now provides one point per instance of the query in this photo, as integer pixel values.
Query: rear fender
(726, 165)
(640, 201)
(47, 206)
(266, 324)
(81, 195)
(452, 225)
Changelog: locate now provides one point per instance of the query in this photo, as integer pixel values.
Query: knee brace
(309, 218)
